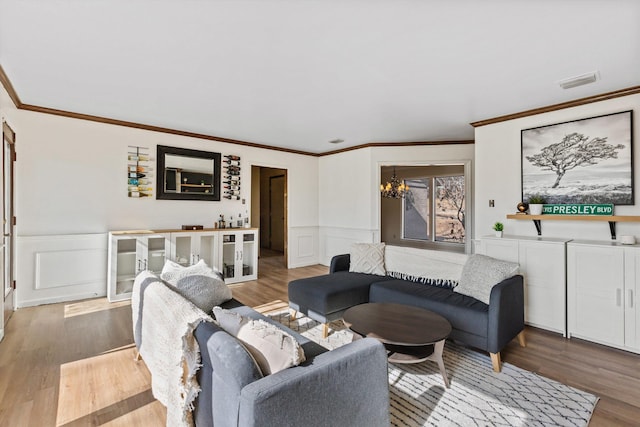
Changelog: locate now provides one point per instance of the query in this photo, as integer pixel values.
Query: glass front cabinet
(129, 254)
(232, 251)
(239, 253)
(187, 248)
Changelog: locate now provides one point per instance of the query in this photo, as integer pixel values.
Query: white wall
(498, 174)
(71, 179)
(349, 190)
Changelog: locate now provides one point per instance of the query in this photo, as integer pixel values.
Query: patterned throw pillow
(481, 273)
(272, 348)
(204, 292)
(367, 258)
(199, 283)
(172, 271)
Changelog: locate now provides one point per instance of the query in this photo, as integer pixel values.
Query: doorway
(270, 201)
(8, 221)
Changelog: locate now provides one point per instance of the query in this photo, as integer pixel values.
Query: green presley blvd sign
(574, 209)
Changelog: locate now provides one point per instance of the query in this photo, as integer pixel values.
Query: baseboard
(65, 298)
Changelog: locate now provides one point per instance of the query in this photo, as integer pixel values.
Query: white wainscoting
(60, 268)
(337, 240)
(303, 246)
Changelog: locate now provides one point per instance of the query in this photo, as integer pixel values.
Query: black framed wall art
(582, 161)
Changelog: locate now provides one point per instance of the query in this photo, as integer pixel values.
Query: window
(434, 209)
(416, 214)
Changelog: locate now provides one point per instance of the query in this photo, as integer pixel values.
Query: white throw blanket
(168, 347)
(421, 264)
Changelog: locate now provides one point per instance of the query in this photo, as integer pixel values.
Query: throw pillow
(271, 347)
(172, 271)
(367, 258)
(481, 273)
(204, 292)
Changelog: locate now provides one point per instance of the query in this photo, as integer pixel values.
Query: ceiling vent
(580, 80)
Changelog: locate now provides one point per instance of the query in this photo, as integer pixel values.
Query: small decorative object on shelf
(498, 227)
(231, 178)
(221, 222)
(139, 172)
(193, 227)
(535, 204)
(522, 208)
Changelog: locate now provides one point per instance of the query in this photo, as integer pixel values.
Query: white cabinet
(602, 280)
(631, 289)
(232, 251)
(542, 264)
(187, 248)
(239, 255)
(130, 254)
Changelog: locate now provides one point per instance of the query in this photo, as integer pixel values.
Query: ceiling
(296, 74)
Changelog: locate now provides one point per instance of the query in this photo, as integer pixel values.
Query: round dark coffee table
(410, 334)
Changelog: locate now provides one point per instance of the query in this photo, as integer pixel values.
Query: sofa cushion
(481, 273)
(332, 292)
(272, 348)
(463, 312)
(367, 258)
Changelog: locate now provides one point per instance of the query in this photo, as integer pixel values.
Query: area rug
(477, 396)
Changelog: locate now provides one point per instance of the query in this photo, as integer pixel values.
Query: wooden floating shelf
(611, 219)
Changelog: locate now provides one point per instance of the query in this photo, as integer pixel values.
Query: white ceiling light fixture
(580, 80)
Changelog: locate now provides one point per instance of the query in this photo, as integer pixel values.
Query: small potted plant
(498, 227)
(535, 204)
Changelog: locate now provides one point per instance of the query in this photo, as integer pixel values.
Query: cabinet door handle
(618, 297)
(630, 298)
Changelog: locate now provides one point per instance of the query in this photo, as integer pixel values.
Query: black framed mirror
(185, 174)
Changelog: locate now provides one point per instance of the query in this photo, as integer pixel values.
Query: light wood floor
(71, 364)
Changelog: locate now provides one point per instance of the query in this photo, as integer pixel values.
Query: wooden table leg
(438, 349)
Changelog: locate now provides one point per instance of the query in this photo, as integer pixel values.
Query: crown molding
(397, 144)
(4, 79)
(575, 103)
(152, 128)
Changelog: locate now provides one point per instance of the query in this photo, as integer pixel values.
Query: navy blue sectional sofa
(489, 327)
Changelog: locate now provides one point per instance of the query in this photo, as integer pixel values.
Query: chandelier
(394, 189)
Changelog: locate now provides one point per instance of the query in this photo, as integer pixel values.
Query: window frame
(432, 212)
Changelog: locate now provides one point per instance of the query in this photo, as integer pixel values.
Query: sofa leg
(521, 339)
(292, 314)
(325, 330)
(496, 361)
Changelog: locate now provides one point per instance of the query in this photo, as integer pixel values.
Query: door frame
(8, 137)
(286, 202)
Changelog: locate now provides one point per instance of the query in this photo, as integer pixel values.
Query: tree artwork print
(583, 161)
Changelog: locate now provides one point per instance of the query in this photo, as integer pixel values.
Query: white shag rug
(477, 396)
